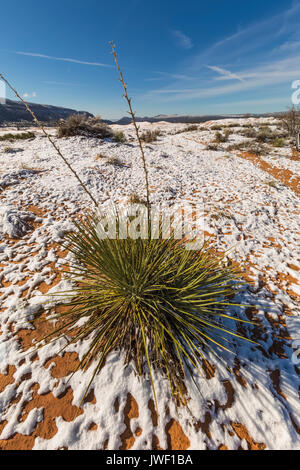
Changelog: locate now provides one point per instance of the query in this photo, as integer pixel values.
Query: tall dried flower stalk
(131, 112)
(50, 139)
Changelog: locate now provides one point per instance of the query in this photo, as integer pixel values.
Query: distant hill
(15, 111)
(177, 118)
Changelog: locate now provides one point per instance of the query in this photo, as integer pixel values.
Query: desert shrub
(134, 198)
(236, 146)
(290, 121)
(80, 124)
(279, 142)
(282, 135)
(249, 132)
(150, 136)
(222, 137)
(100, 156)
(255, 149)
(264, 134)
(216, 128)
(219, 137)
(115, 161)
(191, 128)
(119, 136)
(160, 304)
(21, 136)
(271, 184)
(211, 147)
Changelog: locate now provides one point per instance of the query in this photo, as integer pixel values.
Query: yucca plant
(161, 304)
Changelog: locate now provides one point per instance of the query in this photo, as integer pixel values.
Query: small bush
(136, 199)
(115, 161)
(80, 124)
(237, 146)
(222, 137)
(264, 134)
(119, 136)
(150, 136)
(212, 147)
(256, 149)
(272, 184)
(216, 128)
(249, 132)
(279, 142)
(22, 136)
(191, 128)
(100, 156)
(246, 125)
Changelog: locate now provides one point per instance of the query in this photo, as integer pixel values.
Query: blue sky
(183, 57)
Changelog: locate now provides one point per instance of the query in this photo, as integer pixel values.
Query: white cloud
(256, 65)
(182, 40)
(269, 75)
(226, 74)
(175, 76)
(64, 59)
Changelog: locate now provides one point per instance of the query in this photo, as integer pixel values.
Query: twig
(50, 139)
(131, 112)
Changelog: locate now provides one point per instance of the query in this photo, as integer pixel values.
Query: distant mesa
(188, 119)
(15, 111)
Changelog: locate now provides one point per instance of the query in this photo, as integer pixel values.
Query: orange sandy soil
(176, 439)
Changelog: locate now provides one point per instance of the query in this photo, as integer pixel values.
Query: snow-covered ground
(247, 210)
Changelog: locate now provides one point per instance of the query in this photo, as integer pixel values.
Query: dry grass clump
(251, 147)
(212, 147)
(236, 146)
(100, 156)
(279, 142)
(264, 134)
(150, 136)
(249, 132)
(233, 125)
(80, 124)
(134, 198)
(191, 128)
(256, 149)
(271, 184)
(221, 138)
(120, 137)
(21, 136)
(115, 161)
